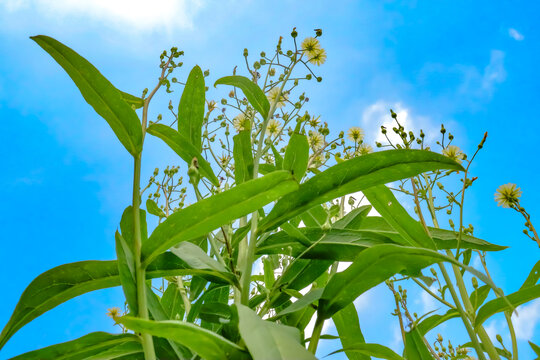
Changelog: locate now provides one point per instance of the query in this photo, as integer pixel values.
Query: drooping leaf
(68, 281)
(243, 157)
(354, 175)
(126, 271)
(253, 93)
(498, 305)
(415, 347)
(353, 219)
(182, 146)
(205, 343)
(96, 344)
(351, 337)
(106, 100)
(191, 108)
(208, 214)
(132, 100)
(376, 264)
(267, 340)
(367, 350)
(384, 201)
(301, 303)
(433, 321)
(297, 156)
(154, 209)
(196, 258)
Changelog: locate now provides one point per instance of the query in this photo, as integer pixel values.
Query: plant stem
(316, 335)
(140, 276)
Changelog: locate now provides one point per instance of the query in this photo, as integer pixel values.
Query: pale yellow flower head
(364, 149)
(310, 45)
(507, 195)
(272, 96)
(114, 312)
(355, 134)
(241, 122)
(454, 153)
(318, 58)
(315, 140)
(273, 127)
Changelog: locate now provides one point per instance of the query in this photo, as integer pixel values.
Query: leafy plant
(278, 193)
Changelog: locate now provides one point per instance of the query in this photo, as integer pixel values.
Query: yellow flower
(355, 134)
(113, 313)
(310, 45)
(318, 58)
(273, 127)
(507, 195)
(273, 97)
(241, 122)
(454, 153)
(314, 121)
(316, 140)
(364, 149)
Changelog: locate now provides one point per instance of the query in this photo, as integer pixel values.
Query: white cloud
(378, 114)
(516, 35)
(131, 15)
(427, 301)
(494, 72)
(527, 320)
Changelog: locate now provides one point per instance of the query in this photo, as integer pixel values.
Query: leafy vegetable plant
(268, 186)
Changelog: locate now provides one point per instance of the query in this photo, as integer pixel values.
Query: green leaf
(351, 337)
(214, 293)
(68, 281)
(253, 93)
(182, 146)
(205, 343)
(243, 157)
(172, 303)
(415, 347)
(266, 340)
(268, 268)
(535, 348)
(196, 258)
(367, 350)
(498, 305)
(278, 159)
(302, 302)
(433, 321)
(154, 209)
(384, 201)
(479, 295)
(208, 214)
(533, 277)
(376, 264)
(127, 226)
(354, 175)
(315, 217)
(191, 108)
(106, 100)
(96, 344)
(126, 270)
(297, 156)
(353, 219)
(132, 100)
(444, 239)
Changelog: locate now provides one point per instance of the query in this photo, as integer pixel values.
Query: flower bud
(245, 52)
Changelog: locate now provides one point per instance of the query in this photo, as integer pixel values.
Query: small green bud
(318, 32)
(245, 52)
(474, 282)
(319, 79)
(294, 34)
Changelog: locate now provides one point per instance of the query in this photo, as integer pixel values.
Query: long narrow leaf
(106, 100)
(191, 108)
(351, 337)
(355, 175)
(208, 214)
(253, 93)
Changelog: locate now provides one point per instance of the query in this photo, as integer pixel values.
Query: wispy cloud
(527, 320)
(516, 35)
(494, 72)
(128, 15)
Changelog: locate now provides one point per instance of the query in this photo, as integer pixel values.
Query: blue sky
(66, 180)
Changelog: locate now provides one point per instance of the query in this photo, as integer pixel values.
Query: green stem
(140, 276)
(314, 341)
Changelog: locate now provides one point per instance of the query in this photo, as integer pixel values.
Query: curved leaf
(243, 157)
(205, 343)
(97, 344)
(106, 100)
(191, 108)
(154, 209)
(267, 340)
(67, 281)
(354, 175)
(533, 277)
(297, 156)
(433, 321)
(132, 100)
(182, 146)
(415, 347)
(364, 349)
(351, 337)
(253, 92)
(301, 303)
(208, 214)
(498, 305)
